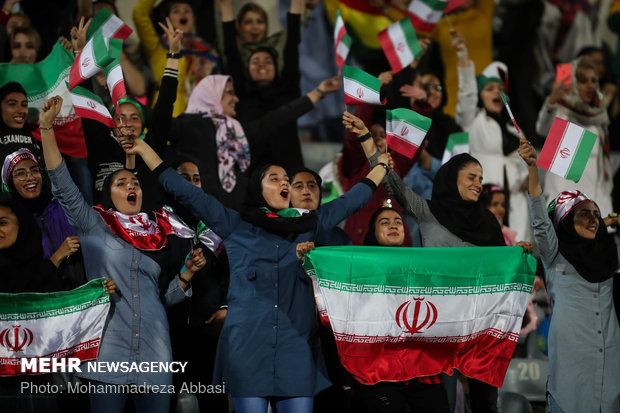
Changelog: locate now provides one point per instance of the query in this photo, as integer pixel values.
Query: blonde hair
(32, 34)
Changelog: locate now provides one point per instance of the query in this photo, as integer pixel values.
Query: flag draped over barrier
(54, 325)
(400, 313)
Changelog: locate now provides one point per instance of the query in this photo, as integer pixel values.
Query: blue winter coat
(269, 344)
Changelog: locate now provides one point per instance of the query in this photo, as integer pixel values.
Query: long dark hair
(371, 239)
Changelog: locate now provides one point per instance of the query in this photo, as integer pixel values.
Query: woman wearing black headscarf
(120, 241)
(581, 261)
(14, 131)
(268, 345)
(454, 217)
(22, 265)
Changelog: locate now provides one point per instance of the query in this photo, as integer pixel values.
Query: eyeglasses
(22, 174)
(428, 87)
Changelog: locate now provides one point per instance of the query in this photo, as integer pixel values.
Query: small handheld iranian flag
(51, 325)
(88, 105)
(567, 149)
(93, 58)
(400, 313)
(405, 130)
(110, 25)
(425, 14)
(400, 44)
(457, 143)
(360, 88)
(115, 80)
(342, 41)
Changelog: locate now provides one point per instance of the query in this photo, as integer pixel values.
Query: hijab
(595, 260)
(36, 205)
(233, 148)
(470, 221)
(22, 267)
(371, 238)
(256, 211)
(13, 87)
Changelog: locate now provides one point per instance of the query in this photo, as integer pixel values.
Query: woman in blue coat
(268, 348)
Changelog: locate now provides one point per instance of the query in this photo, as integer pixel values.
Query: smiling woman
(14, 131)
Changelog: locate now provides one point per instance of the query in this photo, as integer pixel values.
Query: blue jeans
(284, 405)
(115, 402)
(552, 405)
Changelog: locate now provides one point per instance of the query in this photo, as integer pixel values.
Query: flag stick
(512, 118)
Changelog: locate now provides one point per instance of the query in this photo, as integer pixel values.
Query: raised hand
(413, 91)
(196, 260)
(385, 77)
(527, 152)
(457, 40)
(558, 91)
(174, 36)
(49, 111)
(78, 34)
(330, 85)
(354, 124)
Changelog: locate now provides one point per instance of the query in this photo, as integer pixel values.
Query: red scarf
(138, 230)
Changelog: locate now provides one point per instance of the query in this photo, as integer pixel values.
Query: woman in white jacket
(493, 140)
(581, 103)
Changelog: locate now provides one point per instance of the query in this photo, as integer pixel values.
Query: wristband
(187, 282)
(320, 92)
(364, 137)
(384, 165)
(174, 55)
(50, 128)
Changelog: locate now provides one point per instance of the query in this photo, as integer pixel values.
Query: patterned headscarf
(564, 203)
(13, 159)
(232, 145)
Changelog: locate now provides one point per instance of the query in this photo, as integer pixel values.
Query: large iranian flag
(567, 149)
(400, 313)
(457, 143)
(405, 130)
(54, 325)
(400, 44)
(110, 25)
(342, 41)
(360, 88)
(96, 55)
(426, 13)
(43, 80)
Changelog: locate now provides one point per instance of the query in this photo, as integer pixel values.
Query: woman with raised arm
(581, 261)
(120, 241)
(454, 217)
(268, 348)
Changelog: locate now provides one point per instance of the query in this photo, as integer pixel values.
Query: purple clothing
(54, 227)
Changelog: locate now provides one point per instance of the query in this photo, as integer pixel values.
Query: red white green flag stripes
(400, 44)
(115, 80)
(93, 58)
(426, 13)
(360, 88)
(110, 25)
(457, 143)
(400, 313)
(54, 325)
(405, 130)
(567, 149)
(88, 105)
(342, 41)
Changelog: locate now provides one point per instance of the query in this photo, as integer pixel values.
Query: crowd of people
(209, 137)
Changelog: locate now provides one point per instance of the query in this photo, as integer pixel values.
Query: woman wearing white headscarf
(209, 127)
(582, 104)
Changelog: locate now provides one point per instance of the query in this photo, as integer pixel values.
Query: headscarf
(470, 221)
(371, 238)
(138, 230)
(38, 204)
(283, 222)
(12, 87)
(22, 263)
(582, 112)
(595, 260)
(232, 145)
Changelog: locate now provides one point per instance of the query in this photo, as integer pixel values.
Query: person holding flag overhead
(493, 139)
(581, 261)
(580, 101)
(267, 349)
